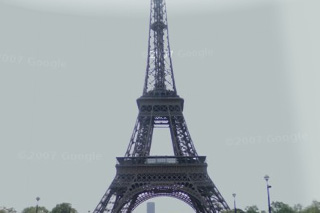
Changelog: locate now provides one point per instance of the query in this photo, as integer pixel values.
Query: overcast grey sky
(70, 72)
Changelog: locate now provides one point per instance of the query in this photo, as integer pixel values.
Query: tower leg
(141, 179)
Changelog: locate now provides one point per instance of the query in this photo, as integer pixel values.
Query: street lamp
(268, 187)
(234, 202)
(37, 198)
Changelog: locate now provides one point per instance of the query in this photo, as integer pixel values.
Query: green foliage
(313, 208)
(252, 209)
(297, 208)
(276, 207)
(7, 210)
(280, 207)
(63, 208)
(32, 209)
(232, 211)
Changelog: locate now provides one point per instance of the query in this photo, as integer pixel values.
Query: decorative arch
(142, 194)
(186, 200)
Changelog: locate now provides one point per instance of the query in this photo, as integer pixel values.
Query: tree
(297, 208)
(63, 208)
(280, 207)
(252, 209)
(7, 210)
(232, 211)
(313, 208)
(32, 209)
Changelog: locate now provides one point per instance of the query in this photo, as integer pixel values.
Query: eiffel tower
(141, 176)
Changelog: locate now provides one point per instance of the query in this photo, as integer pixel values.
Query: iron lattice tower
(140, 176)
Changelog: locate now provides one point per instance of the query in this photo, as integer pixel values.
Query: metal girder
(159, 80)
(166, 112)
(140, 176)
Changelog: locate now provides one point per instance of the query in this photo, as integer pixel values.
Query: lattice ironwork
(168, 114)
(140, 176)
(159, 79)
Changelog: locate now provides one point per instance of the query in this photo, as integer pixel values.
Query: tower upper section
(159, 80)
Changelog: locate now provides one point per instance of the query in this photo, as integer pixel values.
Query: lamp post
(234, 202)
(37, 198)
(268, 187)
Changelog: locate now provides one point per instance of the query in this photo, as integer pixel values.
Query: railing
(160, 160)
